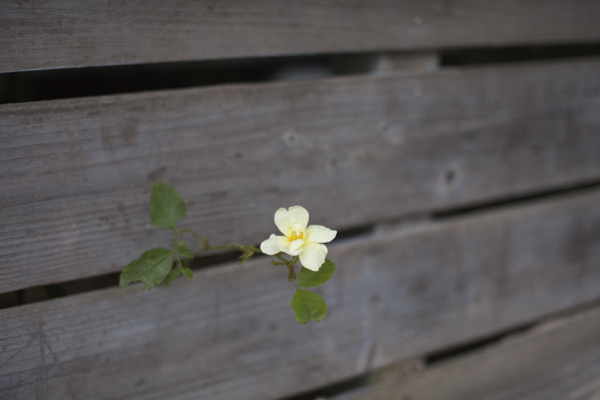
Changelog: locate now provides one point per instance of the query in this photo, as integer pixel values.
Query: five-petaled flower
(306, 243)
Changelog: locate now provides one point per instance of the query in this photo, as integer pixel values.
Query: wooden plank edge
(93, 36)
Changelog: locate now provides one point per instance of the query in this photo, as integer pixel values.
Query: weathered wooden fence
(467, 196)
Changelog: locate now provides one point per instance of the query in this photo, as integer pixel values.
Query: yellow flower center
(294, 235)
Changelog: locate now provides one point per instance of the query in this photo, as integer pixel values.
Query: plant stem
(191, 232)
(175, 247)
(224, 247)
(175, 241)
(292, 274)
(280, 258)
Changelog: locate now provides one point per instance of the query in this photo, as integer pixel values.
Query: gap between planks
(557, 359)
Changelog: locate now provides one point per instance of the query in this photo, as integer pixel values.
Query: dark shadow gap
(354, 232)
(501, 55)
(25, 86)
(46, 292)
(471, 347)
(36, 294)
(490, 205)
(336, 389)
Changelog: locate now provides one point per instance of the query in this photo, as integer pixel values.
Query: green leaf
(308, 305)
(308, 278)
(152, 268)
(183, 250)
(174, 273)
(166, 206)
(181, 270)
(187, 272)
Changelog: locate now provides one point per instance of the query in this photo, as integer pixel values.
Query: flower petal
(268, 246)
(319, 234)
(285, 219)
(283, 244)
(296, 244)
(313, 256)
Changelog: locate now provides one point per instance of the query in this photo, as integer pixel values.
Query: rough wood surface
(556, 361)
(69, 33)
(76, 174)
(231, 334)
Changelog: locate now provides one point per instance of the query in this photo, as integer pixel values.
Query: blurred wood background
(455, 145)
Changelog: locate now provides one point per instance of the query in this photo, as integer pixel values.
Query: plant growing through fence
(302, 243)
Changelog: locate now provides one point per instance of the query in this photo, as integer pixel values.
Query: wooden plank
(352, 151)
(231, 333)
(69, 33)
(557, 360)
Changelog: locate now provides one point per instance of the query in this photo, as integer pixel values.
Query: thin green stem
(191, 232)
(175, 241)
(292, 274)
(175, 247)
(257, 250)
(177, 255)
(224, 247)
(279, 257)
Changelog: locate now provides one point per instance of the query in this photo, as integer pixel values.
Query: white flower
(299, 240)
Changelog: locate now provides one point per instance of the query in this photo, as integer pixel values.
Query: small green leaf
(183, 250)
(308, 278)
(127, 276)
(187, 272)
(152, 268)
(308, 305)
(166, 206)
(174, 273)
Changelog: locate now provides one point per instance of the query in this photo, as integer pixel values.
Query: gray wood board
(231, 333)
(69, 33)
(556, 361)
(77, 174)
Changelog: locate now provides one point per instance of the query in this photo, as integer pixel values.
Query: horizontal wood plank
(69, 33)
(76, 174)
(231, 334)
(556, 361)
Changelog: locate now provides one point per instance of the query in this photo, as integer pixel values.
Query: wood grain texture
(231, 334)
(556, 361)
(352, 151)
(69, 33)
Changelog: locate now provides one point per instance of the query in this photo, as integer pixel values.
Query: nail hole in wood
(450, 175)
